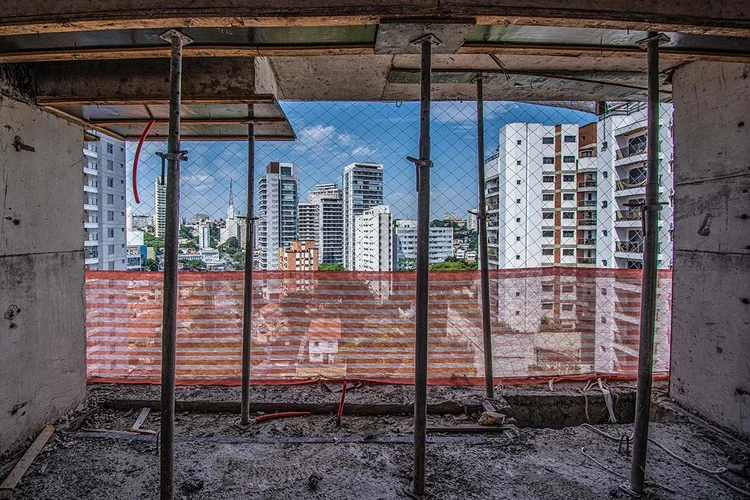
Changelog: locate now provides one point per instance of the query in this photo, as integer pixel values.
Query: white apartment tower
(362, 189)
(322, 220)
(541, 200)
(160, 208)
(405, 244)
(278, 198)
(622, 166)
(104, 204)
(373, 240)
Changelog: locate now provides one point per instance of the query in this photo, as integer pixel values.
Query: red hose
(282, 414)
(135, 160)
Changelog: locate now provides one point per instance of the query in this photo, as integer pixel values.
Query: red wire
(135, 160)
(282, 414)
(341, 404)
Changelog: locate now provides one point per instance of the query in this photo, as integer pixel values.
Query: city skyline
(332, 135)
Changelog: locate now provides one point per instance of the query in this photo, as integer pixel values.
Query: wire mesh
(564, 240)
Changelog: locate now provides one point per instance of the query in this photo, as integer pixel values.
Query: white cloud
(364, 151)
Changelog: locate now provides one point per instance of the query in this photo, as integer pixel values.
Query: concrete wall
(711, 313)
(42, 331)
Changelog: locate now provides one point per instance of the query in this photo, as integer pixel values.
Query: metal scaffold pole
(423, 165)
(172, 229)
(651, 247)
(247, 317)
(483, 262)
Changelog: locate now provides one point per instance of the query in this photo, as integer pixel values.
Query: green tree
(330, 267)
(230, 246)
(151, 265)
(453, 264)
(407, 264)
(195, 265)
(186, 232)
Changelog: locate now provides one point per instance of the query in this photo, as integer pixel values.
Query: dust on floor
(216, 458)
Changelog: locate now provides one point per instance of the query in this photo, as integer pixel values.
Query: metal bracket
(479, 76)
(167, 36)
(476, 214)
(427, 37)
(660, 37)
(419, 163)
(179, 156)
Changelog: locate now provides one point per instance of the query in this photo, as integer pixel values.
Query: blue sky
(331, 135)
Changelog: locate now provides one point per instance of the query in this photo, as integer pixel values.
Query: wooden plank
(142, 122)
(473, 429)
(565, 50)
(184, 137)
(101, 54)
(44, 100)
(141, 418)
(444, 408)
(28, 458)
(82, 122)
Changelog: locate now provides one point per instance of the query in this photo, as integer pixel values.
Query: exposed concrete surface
(216, 458)
(42, 333)
(711, 311)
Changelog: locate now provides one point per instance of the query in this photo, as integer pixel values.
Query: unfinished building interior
(222, 71)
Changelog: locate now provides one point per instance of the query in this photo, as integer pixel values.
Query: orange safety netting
(547, 322)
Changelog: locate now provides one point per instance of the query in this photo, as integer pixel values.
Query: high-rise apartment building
(405, 244)
(231, 223)
(160, 208)
(373, 247)
(569, 195)
(362, 189)
(104, 204)
(322, 220)
(278, 198)
(299, 256)
(622, 170)
(472, 223)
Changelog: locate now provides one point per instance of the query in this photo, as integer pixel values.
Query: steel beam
(648, 295)
(247, 316)
(483, 262)
(172, 230)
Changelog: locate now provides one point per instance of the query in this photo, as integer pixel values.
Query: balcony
(630, 151)
(587, 222)
(625, 215)
(90, 207)
(91, 243)
(493, 208)
(587, 185)
(587, 241)
(493, 190)
(629, 247)
(587, 203)
(90, 171)
(591, 261)
(90, 189)
(90, 225)
(622, 185)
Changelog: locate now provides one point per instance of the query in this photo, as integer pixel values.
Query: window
(110, 182)
(110, 165)
(605, 204)
(110, 216)
(567, 307)
(518, 162)
(548, 178)
(519, 141)
(110, 249)
(518, 219)
(569, 234)
(518, 294)
(604, 262)
(548, 140)
(547, 306)
(518, 182)
(637, 145)
(569, 196)
(518, 200)
(569, 215)
(548, 197)
(637, 175)
(548, 234)
(548, 160)
(586, 154)
(569, 159)
(604, 290)
(110, 233)
(568, 288)
(605, 174)
(547, 288)
(570, 138)
(518, 313)
(109, 148)
(518, 257)
(569, 178)
(568, 252)
(548, 215)
(518, 238)
(110, 199)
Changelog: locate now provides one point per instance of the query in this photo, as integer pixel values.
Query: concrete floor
(215, 458)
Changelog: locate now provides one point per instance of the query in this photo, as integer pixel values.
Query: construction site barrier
(547, 323)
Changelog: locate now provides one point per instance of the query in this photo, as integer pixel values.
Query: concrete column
(42, 329)
(711, 313)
